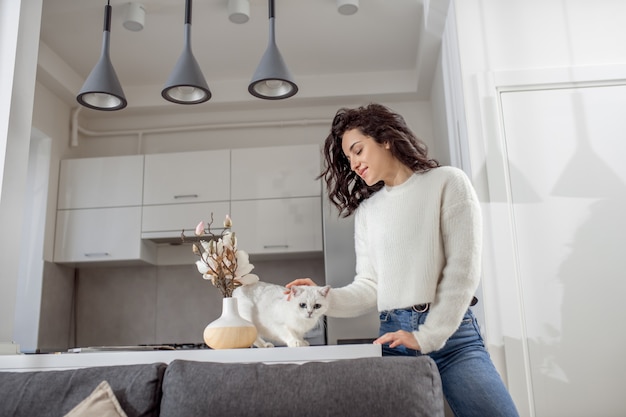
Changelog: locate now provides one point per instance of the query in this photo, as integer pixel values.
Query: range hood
(175, 237)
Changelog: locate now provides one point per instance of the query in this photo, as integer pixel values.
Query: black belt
(422, 308)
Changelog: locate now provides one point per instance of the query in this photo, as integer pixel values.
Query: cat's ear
(324, 290)
(295, 290)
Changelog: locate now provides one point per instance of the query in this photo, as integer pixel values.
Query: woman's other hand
(397, 338)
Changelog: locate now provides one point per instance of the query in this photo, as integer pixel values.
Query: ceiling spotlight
(347, 7)
(102, 90)
(135, 16)
(272, 79)
(239, 11)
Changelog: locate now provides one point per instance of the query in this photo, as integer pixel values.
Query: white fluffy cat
(279, 317)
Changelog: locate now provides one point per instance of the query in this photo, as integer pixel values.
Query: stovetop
(180, 346)
(142, 347)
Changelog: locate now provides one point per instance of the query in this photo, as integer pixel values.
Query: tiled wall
(148, 304)
(56, 328)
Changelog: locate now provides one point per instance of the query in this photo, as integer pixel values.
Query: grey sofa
(361, 387)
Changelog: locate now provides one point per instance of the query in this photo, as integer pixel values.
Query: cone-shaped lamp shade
(186, 84)
(272, 79)
(102, 89)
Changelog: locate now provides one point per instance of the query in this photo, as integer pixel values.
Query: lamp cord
(188, 12)
(107, 17)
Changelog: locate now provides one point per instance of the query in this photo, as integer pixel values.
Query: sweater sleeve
(358, 297)
(461, 229)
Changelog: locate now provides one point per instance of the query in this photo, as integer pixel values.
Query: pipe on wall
(76, 128)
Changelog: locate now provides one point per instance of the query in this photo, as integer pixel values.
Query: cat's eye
(316, 306)
(302, 305)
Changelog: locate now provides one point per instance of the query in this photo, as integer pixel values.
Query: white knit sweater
(417, 242)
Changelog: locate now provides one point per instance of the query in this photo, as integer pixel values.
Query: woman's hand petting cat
(397, 338)
(301, 281)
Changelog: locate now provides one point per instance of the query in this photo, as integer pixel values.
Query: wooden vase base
(229, 337)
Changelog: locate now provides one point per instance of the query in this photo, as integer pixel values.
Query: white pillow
(100, 403)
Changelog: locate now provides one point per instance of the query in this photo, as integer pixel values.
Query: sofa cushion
(383, 386)
(55, 393)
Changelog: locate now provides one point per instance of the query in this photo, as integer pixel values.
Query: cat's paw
(297, 343)
(260, 343)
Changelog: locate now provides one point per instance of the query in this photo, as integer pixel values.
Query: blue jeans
(471, 384)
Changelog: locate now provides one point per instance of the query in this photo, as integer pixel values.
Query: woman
(418, 238)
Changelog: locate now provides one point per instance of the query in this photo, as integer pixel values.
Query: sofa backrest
(377, 386)
(54, 393)
(381, 386)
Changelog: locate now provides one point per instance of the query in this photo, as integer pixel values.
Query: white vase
(230, 330)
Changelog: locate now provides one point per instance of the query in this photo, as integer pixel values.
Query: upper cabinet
(166, 222)
(101, 235)
(187, 177)
(284, 225)
(275, 172)
(100, 182)
(180, 189)
(99, 211)
(276, 205)
(135, 202)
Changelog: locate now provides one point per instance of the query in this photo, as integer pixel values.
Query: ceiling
(387, 49)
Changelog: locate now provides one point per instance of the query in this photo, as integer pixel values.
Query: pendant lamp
(102, 89)
(186, 84)
(272, 79)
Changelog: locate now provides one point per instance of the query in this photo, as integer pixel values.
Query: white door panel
(564, 151)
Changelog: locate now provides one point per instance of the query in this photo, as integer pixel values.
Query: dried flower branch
(221, 262)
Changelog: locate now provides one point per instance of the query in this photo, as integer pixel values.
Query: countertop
(58, 361)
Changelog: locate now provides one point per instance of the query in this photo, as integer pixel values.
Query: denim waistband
(423, 308)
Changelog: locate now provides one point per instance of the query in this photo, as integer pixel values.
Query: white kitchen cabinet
(187, 177)
(284, 225)
(167, 221)
(100, 182)
(101, 235)
(275, 172)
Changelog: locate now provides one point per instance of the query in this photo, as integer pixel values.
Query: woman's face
(369, 159)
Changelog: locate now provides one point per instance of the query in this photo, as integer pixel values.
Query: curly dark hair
(346, 190)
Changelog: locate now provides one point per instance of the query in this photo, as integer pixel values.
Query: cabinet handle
(186, 196)
(97, 254)
(275, 246)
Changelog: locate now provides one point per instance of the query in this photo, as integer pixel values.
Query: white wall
(29, 285)
(51, 117)
(512, 46)
(19, 40)
(227, 129)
